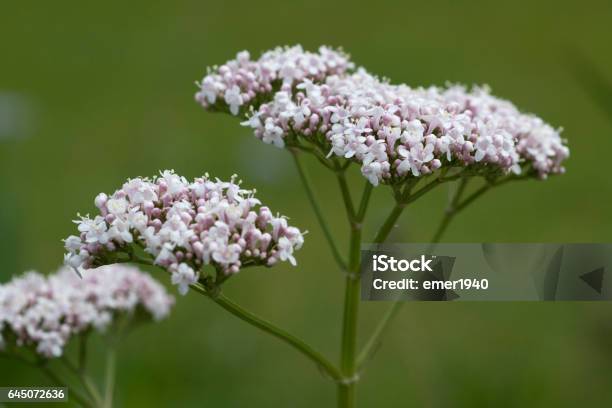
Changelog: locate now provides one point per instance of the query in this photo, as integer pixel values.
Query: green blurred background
(93, 93)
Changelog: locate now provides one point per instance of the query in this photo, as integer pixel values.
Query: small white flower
(95, 230)
(117, 206)
(233, 98)
(285, 250)
(120, 231)
(209, 89)
(484, 146)
(227, 255)
(72, 243)
(175, 183)
(183, 277)
(373, 172)
(273, 134)
(137, 220)
(139, 191)
(243, 57)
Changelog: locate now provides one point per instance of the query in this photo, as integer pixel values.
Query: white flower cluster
(394, 131)
(184, 225)
(46, 311)
(238, 82)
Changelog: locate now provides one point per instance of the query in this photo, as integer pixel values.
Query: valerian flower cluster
(45, 312)
(183, 226)
(240, 82)
(395, 132)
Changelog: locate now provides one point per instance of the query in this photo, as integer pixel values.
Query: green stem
(275, 331)
(82, 352)
(110, 376)
(450, 211)
(346, 195)
(346, 389)
(403, 200)
(365, 199)
(472, 197)
(389, 223)
(71, 392)
(318, 213)
(455, 206)
(86, 381)
(374, 340)
(92, 390)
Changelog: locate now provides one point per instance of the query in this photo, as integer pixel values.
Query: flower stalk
(268, 327)
(346, 389)
(317, 210)
(109, 385)
(454, 207)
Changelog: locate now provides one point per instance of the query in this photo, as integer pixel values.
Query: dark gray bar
(487, 272)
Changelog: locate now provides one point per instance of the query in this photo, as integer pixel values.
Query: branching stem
(348, 361)
(51, 375)
(318, 213)
(270, 328)
(86, 382)
(109, 384)
(455, 206)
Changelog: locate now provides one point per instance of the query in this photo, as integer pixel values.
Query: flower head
(240, 81)
(183, 226)
(393, 132)
(47, 311)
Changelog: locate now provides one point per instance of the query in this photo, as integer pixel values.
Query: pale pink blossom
(45, 312)
(393, 131)
(183, 227)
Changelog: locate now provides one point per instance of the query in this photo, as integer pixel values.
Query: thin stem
(82, 352)
(458, 193)
(389, 223)
(456, 205)
(365, 200)
(318, 213)
(142, 261)
(275, 331)
(346, 195)
(346, 395)
(92, 390)
(110, 377)
(402, 201)
(433, 184)
(450, 211)
(472, 197)
(86, 381)
(72, 393)
(346, 391)
(374, 341)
